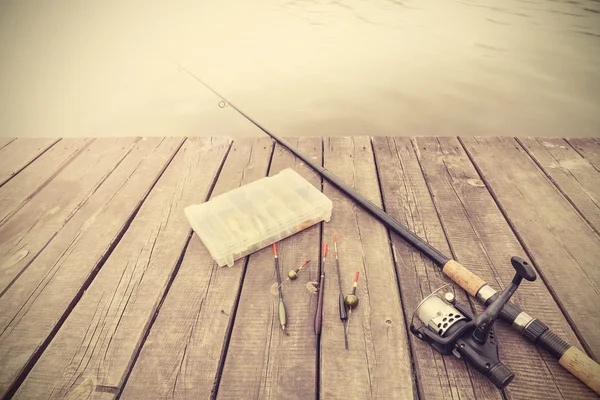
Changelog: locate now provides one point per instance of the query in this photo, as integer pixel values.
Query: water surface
(300, 67)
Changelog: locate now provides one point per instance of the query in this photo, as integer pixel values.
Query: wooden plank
(181, 356)
(35, 225)
(378, 362)
(263, 361)
(589, 148)
(5, 141)
(103, 332)
(407, 199)
(573, 175)
(17, 154)
(17, 192)
(39, 301)
(561, 244)
(482, 240)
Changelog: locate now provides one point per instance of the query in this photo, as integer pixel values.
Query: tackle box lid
(248, 218)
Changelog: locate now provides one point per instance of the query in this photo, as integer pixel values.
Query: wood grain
(102, 333)
(262, 361)
(46, 292)
(563, 247)
(18, 191)
(407, 199)
(182, 355)
(589, 148)
(35, 225)
(17, 154)
(574, 176)
(481, 238)
(377, 364)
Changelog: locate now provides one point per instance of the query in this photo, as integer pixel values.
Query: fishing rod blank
(570, 357)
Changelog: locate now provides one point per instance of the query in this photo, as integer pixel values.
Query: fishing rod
(342, 305)
(570, 357)
(282, 314)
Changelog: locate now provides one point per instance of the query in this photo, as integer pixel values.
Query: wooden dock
(105, 293)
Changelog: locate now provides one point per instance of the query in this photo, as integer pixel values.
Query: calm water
(300, 67)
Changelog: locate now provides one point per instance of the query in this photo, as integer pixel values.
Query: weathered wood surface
(589, 148)
(17, 154)
(377, 363)
(36, 224)
(38, 301)
(407, 199)
(263, 361)
(482, 240)
(564, 248)
(15, 193)
(101, 298)
(103, 332)
(181, 357)
(576, 178)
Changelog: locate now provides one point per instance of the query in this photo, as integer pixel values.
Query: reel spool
(437, 312)
(450, 327)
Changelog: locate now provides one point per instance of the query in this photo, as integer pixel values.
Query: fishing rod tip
(356, 276)
(275, 249)
(324, 249)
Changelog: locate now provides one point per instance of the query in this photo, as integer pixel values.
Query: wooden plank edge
(319, 265)
(15, 173)
(17, 382)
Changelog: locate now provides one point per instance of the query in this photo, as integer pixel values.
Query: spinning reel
(450, 328)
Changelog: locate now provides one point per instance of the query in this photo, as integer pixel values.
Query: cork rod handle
(463, 277)
(579, 364)
(573, 360)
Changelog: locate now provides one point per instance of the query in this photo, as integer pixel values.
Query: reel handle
(523, 270)
(485, 320)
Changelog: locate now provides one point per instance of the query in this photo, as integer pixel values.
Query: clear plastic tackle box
(246, 219)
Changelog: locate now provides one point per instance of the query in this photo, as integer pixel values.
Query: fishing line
(570, 357)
